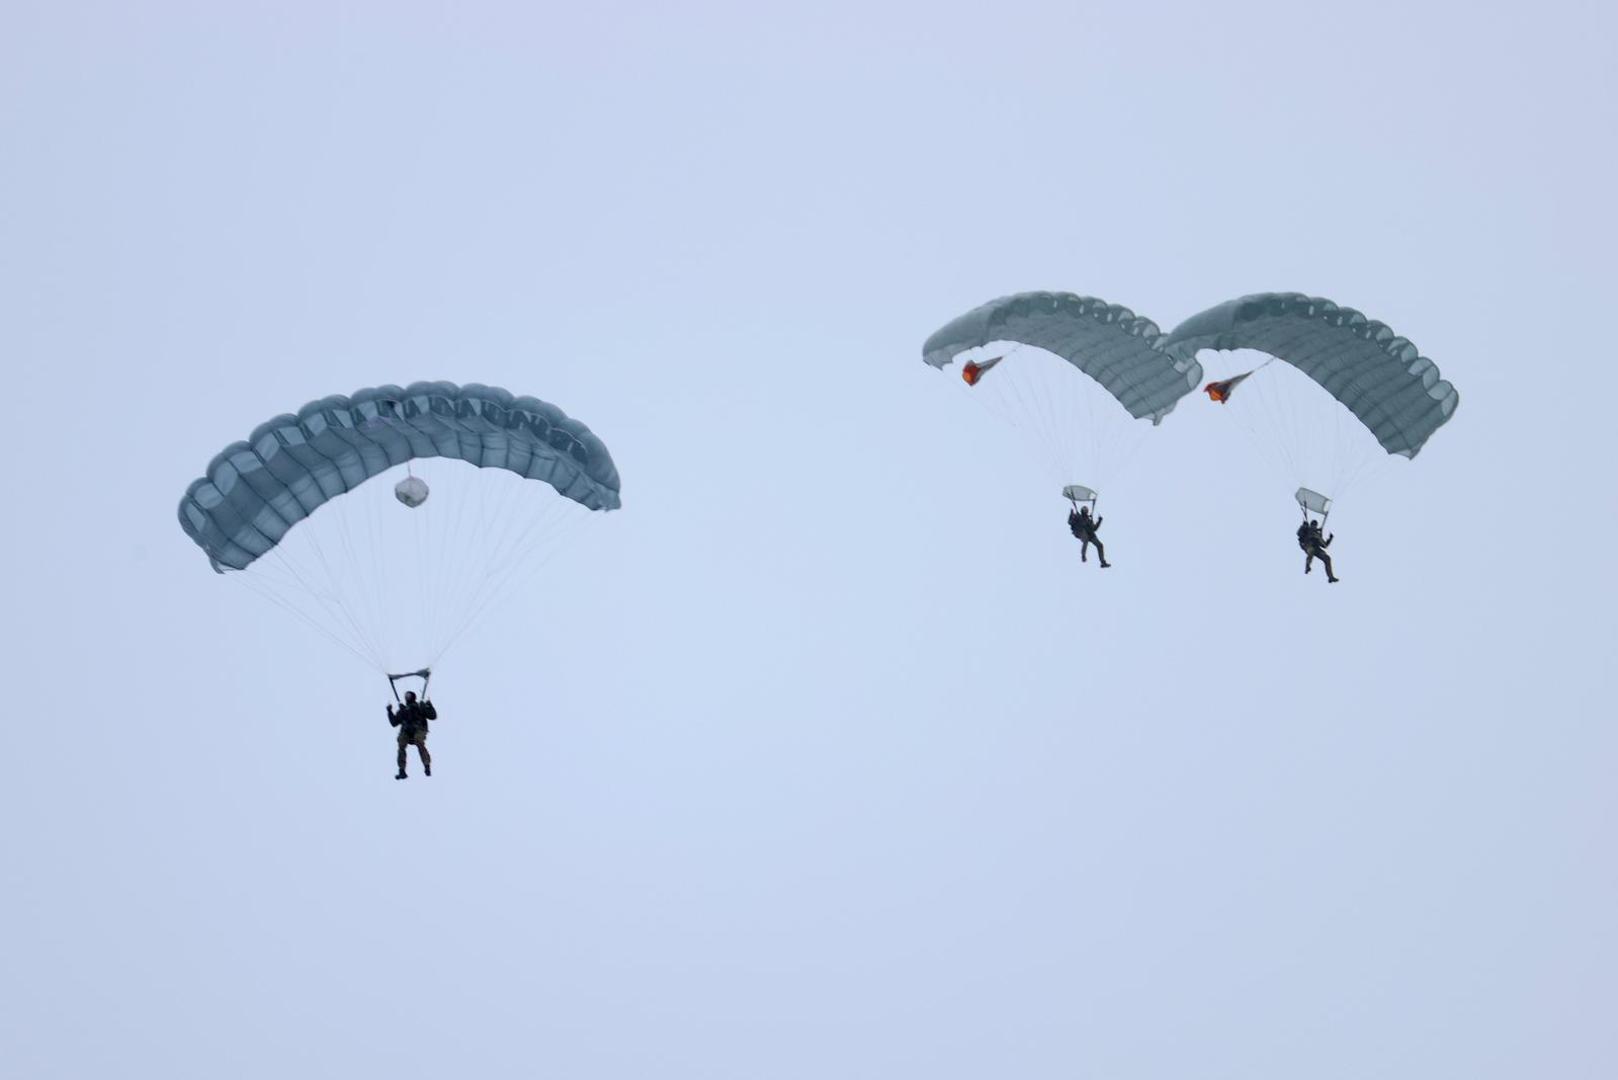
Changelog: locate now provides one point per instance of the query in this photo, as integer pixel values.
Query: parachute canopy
(1380, 377)
(1109, 343)
(254, 492)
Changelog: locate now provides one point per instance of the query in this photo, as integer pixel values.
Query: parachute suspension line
(1071, 421)
(435, 567)
(1263, 408)
(1310, 437)
(498, 517)
(281, 602)
(512, 530)
(1055, 419)
(1271, 411)
(444, 576)
(371, 581)
(345, 579)
(419, 528)
(469, 579)
(329, 598)
(1073, 425)
(503, 582)
(1048, 401)
(361, 589)
(263, 580)
(1005, 395)
(451, 575)
(1012, 403)
(438, 569)
(1024, 408)
(1270, 454)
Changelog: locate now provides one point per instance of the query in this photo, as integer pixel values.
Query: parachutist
(1084, 527)
(1314, 545)
(411, 720)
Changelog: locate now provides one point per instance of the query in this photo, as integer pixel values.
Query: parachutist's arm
(428, 711)
(1099, 520)
(1327, 542)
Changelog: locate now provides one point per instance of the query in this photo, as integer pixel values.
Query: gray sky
(824, 757)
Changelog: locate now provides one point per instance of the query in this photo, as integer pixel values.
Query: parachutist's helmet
(410, 696)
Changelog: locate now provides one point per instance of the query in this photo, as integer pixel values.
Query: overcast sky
(824, 757)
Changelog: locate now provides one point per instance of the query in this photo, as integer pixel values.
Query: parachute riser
(425, 675)
(1078, 493)
(1313, 502)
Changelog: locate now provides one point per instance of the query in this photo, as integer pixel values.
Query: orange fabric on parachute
(972, 371)
(1220, 390)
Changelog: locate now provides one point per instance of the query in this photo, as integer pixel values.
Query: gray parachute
(1108, 342)
(1379, 376)
(254, 492)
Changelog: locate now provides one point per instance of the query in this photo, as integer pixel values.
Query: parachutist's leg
(1308, 561)
(1101, 553)
(1325, 560)
(403, 746)
(426, 758)
(1084, 550)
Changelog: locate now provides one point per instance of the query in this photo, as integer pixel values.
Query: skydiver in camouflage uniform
(1314, 546)
(411, 720)
(1084, 527)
